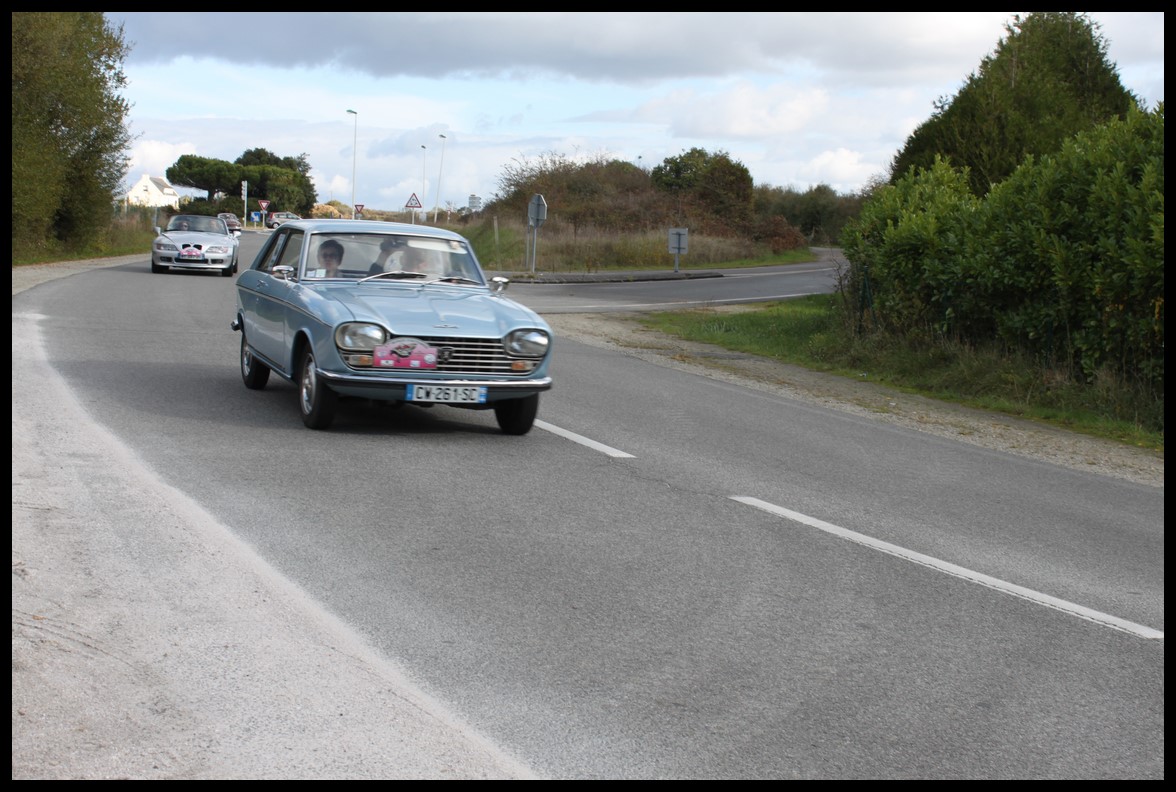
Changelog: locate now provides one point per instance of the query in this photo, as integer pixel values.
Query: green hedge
(1064, 259)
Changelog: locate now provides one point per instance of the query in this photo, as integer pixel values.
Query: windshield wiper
(457, 279)
(394, 274)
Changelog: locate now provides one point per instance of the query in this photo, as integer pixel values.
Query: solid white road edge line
(688, 303)
(958, 571)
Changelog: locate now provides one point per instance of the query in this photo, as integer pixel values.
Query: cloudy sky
(800, 98)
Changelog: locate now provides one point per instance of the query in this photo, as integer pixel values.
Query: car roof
(341, 226)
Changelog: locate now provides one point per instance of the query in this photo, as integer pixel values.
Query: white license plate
(446, 393)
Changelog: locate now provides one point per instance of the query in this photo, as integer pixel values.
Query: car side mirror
(283, 271)
(157, 230)
(498, 284)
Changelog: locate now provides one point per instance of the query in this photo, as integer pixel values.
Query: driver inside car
(330, 258)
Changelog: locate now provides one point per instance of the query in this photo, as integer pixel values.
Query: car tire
(157, 268)
(316, 401)
(227, 272)
(254, 373)
(517, 416)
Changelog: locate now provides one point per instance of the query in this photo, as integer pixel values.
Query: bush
(1064, 260)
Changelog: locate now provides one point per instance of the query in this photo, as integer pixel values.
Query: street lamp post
(437, 203)
(423, 152)
(354, 143)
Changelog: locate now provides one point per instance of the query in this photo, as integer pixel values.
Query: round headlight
(365, 337)
(527, 343)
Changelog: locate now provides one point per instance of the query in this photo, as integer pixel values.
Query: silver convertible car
(195, 242)
(391, 312)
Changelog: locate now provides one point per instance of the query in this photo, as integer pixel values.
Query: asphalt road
(671, 577)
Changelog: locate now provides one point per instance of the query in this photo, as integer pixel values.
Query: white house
(153, 191)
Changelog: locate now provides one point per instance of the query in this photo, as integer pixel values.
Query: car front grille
(470, 355)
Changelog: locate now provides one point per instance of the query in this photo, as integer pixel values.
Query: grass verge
(810, 332)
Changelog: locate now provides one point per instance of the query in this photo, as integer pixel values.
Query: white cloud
(800, 98)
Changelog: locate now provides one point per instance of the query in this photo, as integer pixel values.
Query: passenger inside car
(380, 264)
(416, 260)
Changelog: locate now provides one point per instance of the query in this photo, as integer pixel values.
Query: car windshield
(206, 225)
(377, 258)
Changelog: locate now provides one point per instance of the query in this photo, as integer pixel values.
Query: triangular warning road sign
(413, 202)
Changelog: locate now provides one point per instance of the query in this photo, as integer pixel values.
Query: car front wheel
(517, 416)
(254, 373)
(316, 400)
(158, 267)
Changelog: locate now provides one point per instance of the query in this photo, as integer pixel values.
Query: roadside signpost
(536, 214)
(414, 203)
(679, 243)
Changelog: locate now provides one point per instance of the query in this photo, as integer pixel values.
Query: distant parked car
(195, 242)
(275, 219)
(388, 312)
(231, 221)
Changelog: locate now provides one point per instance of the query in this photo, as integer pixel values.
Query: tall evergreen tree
(1048, 80)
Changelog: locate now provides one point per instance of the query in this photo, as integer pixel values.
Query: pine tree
(1049, 79)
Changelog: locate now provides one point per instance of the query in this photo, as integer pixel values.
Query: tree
(682, 173)
(259, 156)
(726, 188)
(69, 134)
(205, 173)
(284, 188)
(1046, 81)
(713, 181)
(298, 195)
(268, 175)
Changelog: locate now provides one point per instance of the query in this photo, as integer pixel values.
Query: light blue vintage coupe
(392, 312)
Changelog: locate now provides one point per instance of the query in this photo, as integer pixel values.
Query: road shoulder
(149, 642)
(989, 430)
